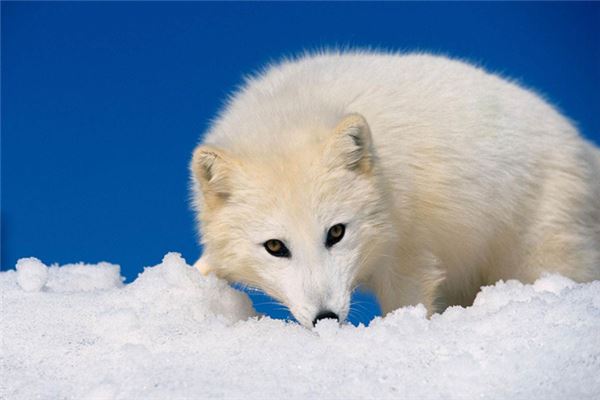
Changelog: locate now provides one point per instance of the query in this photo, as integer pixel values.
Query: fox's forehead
(281, 192)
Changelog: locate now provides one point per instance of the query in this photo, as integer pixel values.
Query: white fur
(447, 177)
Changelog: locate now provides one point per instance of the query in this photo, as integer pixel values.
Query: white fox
(420, 177)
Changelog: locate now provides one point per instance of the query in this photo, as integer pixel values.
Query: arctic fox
(420, 177)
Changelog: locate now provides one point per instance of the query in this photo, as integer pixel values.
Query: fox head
(302, 223)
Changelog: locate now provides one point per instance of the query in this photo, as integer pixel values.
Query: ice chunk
(553, 283)
(32, 274)
(84, 277)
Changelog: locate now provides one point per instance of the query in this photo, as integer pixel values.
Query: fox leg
(202, 266)
(564, 236)
(565, 251)
(416, 280)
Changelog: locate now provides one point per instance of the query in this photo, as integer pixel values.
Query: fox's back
(411, 102)
(436, 123)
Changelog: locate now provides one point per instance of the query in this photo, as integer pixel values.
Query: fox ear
(211, 168)
(351, 144)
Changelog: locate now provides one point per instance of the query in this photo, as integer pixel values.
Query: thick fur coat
(445, 177)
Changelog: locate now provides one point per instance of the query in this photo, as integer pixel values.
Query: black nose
(324, 315)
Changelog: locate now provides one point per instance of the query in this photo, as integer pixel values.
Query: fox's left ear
(351, 144)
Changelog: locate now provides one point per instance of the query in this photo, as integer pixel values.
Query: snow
(32, 275)
(78, 332)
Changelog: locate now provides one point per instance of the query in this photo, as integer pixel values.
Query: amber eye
(335, 234)
(276, 248)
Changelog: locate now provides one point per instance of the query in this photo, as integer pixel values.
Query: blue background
(102, 104)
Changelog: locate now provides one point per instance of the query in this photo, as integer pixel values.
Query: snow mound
(77, 332)
(32, 275)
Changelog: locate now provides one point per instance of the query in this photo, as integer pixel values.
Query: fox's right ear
(211, 168)
(351, 144)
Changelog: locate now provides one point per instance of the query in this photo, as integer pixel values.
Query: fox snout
(309, 314)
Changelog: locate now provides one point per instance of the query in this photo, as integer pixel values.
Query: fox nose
(324, 315)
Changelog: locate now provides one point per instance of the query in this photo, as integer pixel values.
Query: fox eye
(276, 248)
(335, 234)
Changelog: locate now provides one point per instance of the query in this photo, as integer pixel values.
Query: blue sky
(102, 103)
